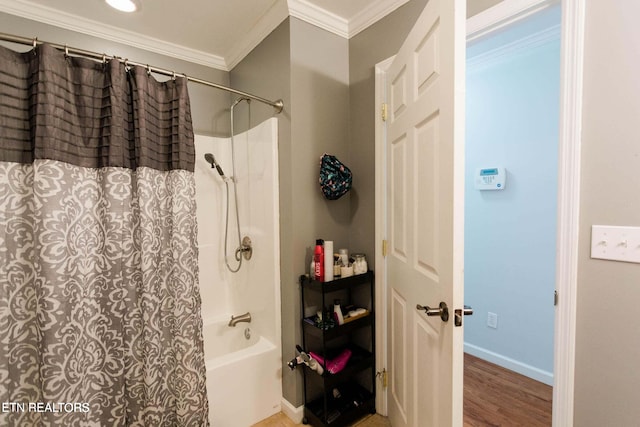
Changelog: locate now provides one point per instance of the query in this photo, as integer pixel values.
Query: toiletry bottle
(338, 312)
(328, 260)
(318, 258)
(344, 257)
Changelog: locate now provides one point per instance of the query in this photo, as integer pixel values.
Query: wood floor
(493, 396)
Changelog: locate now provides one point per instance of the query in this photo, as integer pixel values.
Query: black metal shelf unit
(340, 399)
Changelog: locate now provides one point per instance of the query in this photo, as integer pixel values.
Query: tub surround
(243, 375)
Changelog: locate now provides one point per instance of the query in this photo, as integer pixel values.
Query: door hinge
(384, 248)
(382, 375)
(555, 297)
(384, 111)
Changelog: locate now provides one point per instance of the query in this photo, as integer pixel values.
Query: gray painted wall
(320, 103)
(209, 106)
(308, 68)
(608, 347)
(366, 49)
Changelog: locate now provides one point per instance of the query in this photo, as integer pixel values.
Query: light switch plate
(615, 243)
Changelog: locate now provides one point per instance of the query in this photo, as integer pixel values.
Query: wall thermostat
(490, 178)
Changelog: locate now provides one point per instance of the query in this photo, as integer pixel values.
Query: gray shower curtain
(100, 320)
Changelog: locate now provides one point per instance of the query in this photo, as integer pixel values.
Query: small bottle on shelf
(328, 260)
(338, 312)
(318, 261)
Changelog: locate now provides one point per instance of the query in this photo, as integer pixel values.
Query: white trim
(509, 50)
(315, 15)
(301, 9)
(346, 28)
(267, 23)
(295, 414)
(571, 77)
(372, 14)
(509, 363)
(503, 14)
(380, 232)
(90, 27)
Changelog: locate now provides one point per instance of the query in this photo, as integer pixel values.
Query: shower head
(211, 159)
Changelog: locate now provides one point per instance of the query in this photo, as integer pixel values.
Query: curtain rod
(277, 105)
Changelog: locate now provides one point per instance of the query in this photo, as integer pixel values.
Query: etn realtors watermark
(54, 407)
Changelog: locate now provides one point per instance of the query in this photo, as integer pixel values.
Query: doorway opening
(512, 129)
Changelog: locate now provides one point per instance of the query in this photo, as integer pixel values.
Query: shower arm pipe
(277, 105)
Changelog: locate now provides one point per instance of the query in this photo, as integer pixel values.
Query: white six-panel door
(424, 221)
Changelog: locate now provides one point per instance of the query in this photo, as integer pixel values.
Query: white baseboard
(511, 364)
(296, 414)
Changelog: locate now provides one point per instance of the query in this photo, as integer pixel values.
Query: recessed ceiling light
(123, 5)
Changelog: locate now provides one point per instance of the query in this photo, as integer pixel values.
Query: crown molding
(502, 14)
(319, 17)
(508, 50)
(269, 22)
(301, 9)
(372, 14)
(315, 15)
(90, 27)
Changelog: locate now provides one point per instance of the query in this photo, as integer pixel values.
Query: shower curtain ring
(148, 70)
(66, 51)
(35, 44)
(173, 76)
(104, 58)
(126, 65)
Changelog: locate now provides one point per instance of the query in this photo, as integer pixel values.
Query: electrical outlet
(492, 320)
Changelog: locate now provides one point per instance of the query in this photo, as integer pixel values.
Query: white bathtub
(240, 387)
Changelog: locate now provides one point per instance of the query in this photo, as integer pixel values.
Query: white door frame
(380, 220)
(570, 137)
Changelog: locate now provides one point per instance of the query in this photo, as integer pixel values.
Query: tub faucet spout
(242, 318)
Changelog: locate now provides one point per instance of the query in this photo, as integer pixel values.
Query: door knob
(466, 311)
(442, 311)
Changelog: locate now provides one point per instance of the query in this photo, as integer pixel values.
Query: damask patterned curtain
(100, 320)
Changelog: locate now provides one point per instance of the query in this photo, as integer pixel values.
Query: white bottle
(338, 311)
(328, 260)
(344, 257)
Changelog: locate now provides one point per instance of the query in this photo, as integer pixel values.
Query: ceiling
(216, 33)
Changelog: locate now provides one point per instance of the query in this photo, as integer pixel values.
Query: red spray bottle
(318, 261)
